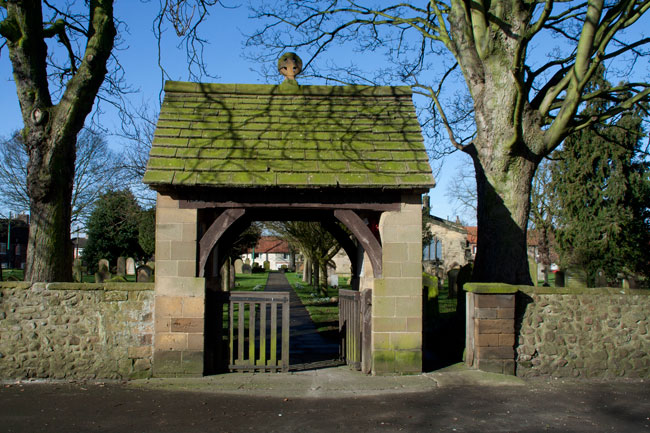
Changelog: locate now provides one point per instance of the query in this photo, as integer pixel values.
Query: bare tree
(525, 67)
(96, 170)
(57, 84)
(462, 192)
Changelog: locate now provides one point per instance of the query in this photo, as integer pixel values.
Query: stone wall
(582, 333)
(68, 330)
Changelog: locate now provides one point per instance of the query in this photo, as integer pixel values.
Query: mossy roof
(243, 135)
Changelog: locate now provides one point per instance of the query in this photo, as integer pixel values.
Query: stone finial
(290, 65)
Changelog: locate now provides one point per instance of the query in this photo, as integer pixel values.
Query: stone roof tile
(244, 135)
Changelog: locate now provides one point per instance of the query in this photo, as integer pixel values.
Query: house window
(433, 251)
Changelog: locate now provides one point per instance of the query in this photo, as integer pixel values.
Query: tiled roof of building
(244, 135)
(270, 244)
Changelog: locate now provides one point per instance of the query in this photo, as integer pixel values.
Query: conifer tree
(603, 194)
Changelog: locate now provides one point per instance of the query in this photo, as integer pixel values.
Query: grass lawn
(248, 282)
(324, 311)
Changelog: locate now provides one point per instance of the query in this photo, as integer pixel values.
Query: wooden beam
(365, 237)
(199, 204)
(214, 233)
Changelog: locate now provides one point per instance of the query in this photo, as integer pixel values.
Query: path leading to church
(308, 349)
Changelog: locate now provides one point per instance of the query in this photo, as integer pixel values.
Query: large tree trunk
(49, 184)
(502, 214)
(50, 130)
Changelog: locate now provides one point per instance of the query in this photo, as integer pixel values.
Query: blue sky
(224, 31)
(138, 56)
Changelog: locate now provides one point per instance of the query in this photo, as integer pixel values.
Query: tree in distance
(114, 229)
(524, 67)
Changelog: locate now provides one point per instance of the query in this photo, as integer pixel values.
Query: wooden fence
(354, 328)
(254, 341)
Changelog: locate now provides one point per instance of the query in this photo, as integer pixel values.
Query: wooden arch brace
(214, 233)
(363, 234)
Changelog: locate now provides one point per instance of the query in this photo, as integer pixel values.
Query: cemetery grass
(250, 282)
(323, 310)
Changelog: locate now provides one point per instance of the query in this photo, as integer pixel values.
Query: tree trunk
(50, 130)
(323, 270)
(306, 270)
(49, 248)
(502, 214)
(314, 273)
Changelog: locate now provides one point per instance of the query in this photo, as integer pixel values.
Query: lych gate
(226, 155)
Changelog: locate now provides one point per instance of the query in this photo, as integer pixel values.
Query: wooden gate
(355, 310)
(254, 341)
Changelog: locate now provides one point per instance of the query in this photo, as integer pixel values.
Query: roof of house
(245, 135)
(270, 244)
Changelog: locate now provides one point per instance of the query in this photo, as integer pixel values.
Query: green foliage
(147, 232)
(113, 229)
(603, 193)
(246, 240)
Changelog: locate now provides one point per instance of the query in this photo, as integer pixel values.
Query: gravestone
(452, 276)
(143, 274)
(576, 278)
(559, 279)
(246, 269)
(532, 268)
(77, 271)
(151, 264)
(247, 261)
(102, 273)
(121, 266)
(238, 266)
(130, 266)
(601, 279)
(267, 265)
(333, 280)
(103, 263)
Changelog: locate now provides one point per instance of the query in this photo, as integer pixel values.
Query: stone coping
(127, 287)
(504, 289)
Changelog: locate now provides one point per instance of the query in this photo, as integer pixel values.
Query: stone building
(449, 248)
(225, 155)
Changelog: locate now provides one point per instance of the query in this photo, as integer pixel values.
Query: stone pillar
(490, 334)
(397, 296)
(179, 295)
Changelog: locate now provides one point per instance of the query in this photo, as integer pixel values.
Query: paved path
(307, 348)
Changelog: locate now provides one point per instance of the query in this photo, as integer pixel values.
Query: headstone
(130, 266)
(143, 274)
(267, 265)
(247, 261)
(333, 280)
(238, 266)
(532, 268)
(576, 278)
(102, 274)
(559, 279)
(151, 265)
(103, 263)
(452, 275)
(246, 269)
(601, 279)
(121, 266)
(77, 271)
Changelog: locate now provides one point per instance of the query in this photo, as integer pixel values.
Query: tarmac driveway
(447, 406)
